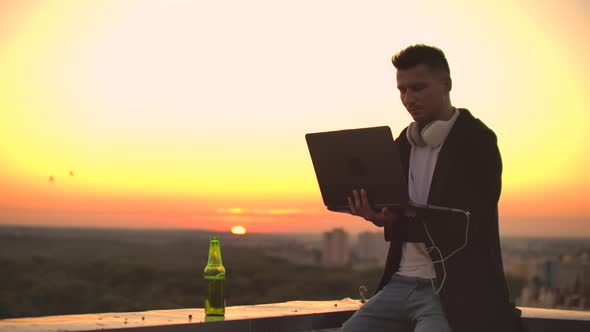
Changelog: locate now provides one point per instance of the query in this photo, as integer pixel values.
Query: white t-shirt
(416, 261)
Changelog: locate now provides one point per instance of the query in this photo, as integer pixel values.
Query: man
(444, 269)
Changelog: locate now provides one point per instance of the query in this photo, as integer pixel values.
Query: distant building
(566, 285)
(336, 248)
(551, 270)
(574, 276)
(370, 250)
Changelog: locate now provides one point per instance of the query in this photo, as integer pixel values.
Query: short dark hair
(421, 54)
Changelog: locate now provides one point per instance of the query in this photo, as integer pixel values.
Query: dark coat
(467, 176)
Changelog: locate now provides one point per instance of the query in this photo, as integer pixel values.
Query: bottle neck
(214, 252)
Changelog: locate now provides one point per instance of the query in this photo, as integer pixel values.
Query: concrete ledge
(323, 322)
(292, 316)
(546, 320)
(285, 316)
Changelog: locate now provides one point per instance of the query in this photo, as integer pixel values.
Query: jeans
(404, 304)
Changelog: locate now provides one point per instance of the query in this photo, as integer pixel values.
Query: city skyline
(177, 114)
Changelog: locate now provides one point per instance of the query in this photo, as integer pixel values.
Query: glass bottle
(214, 281)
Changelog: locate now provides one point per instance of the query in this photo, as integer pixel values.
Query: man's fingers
(359, 205)
(369, 214)
(364, 198)
(351, 206)
(357, 201)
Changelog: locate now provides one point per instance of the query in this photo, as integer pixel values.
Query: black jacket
(467, 176)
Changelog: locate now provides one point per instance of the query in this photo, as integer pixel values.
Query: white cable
(443, 279)
(467, 216)
(443, 259)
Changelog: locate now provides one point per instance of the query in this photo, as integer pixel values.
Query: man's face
(424, 93)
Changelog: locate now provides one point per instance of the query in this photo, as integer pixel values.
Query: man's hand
(359, 206)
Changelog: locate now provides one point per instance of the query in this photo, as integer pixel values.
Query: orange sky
(180, 114)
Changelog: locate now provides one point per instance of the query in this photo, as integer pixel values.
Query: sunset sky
(192, 114)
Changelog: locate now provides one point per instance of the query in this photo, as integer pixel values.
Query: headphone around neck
(432, 135)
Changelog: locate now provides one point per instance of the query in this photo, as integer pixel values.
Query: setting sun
(239, 230)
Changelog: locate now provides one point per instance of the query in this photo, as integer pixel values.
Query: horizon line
(205, 230)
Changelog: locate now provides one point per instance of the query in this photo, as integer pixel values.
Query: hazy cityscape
(553, 273)
(129, 270)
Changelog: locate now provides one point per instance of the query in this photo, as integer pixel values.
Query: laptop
(351, 159)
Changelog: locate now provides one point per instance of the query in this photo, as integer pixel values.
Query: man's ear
(448, 84)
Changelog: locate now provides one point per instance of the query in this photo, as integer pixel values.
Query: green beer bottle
(214, 281)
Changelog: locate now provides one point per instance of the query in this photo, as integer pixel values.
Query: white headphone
(431, 135)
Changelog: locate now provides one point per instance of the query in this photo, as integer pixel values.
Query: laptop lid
(358, 158)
